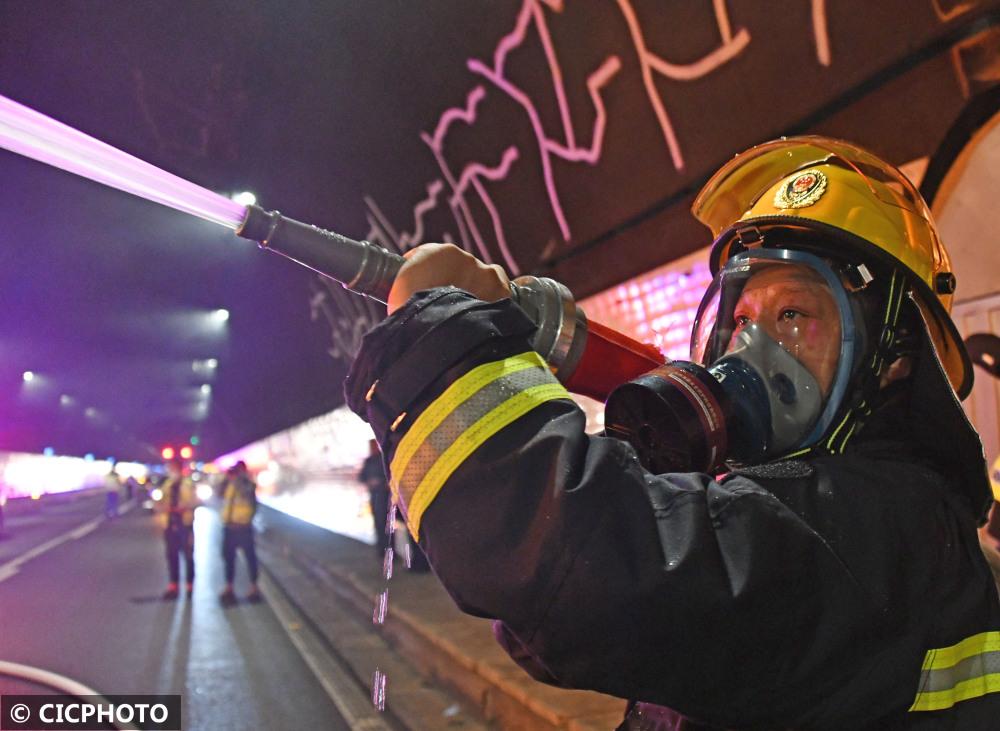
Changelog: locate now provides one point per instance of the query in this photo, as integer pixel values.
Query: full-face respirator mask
(772, 353)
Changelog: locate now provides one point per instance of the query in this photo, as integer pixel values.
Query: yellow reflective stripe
(227, 503)
(829, 443)
(963, 691)
(470, 440)
(975, 645)
(797, 454)
(967, 670)
(448, 401)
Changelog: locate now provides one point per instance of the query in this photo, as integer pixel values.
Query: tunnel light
(48, 451)
(244, 198)
(220, 316)
(90, 412)
(65, 400)
(28, 376)
(209, 364)
(206, 389)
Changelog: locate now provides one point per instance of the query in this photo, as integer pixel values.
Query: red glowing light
(167, 453)
(186, 452)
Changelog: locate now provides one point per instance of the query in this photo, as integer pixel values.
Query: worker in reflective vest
(175, 509)
(239, 505)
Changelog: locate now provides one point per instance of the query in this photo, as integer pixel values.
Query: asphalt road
(80, 596)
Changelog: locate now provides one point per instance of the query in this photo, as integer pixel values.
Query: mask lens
(777, 321)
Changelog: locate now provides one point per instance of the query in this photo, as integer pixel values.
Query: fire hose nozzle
(359, 266)
(587, 357)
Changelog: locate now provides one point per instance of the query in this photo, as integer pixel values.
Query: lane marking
(11, 568)
(354, 706)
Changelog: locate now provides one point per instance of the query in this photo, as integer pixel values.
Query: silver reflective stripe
(967, 670)
(464, 416)
(947, 678)
(459, 421)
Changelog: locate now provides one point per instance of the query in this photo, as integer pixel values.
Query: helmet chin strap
(867, 396)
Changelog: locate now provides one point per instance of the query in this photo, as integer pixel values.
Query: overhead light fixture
(206, 389)
(220, 315)
(28, 376)
(244, 198)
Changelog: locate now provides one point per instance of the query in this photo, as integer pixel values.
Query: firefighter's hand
(439, 265)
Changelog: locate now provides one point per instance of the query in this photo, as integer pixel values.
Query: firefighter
(830, 579)
(239, 505)
(176, 511)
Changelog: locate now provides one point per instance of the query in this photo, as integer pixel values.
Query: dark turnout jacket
(835, 592)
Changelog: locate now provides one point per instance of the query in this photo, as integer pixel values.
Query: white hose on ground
(60, 683)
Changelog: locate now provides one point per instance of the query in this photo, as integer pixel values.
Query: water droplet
(378, 689)
(381, 607)
(387, 564)
(390, 520)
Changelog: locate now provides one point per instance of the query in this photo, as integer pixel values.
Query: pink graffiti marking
(946, 15)
(563, 144)
(467, 227)
(547, 146)
(380, 229)
(595, 82)
(820, 32)
(427, 204)
(532, 17)
(465, 114)
(473, 175)
(403, 241)
(532, 11)
(732, 46)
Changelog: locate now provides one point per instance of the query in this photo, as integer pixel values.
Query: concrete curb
(457, 651)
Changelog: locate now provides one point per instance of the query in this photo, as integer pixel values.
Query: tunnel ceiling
(558, 138)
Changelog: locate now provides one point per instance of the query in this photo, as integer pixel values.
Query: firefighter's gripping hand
(440, 265)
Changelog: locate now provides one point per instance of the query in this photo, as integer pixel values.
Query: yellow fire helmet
(844, 197)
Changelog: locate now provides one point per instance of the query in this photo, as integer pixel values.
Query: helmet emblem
(802, 190)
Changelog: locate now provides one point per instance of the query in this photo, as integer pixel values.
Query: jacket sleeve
(674, 589)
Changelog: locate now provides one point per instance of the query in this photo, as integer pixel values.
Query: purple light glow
(26, 132)
(657, 307)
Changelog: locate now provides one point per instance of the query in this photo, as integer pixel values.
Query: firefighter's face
(794, 306)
